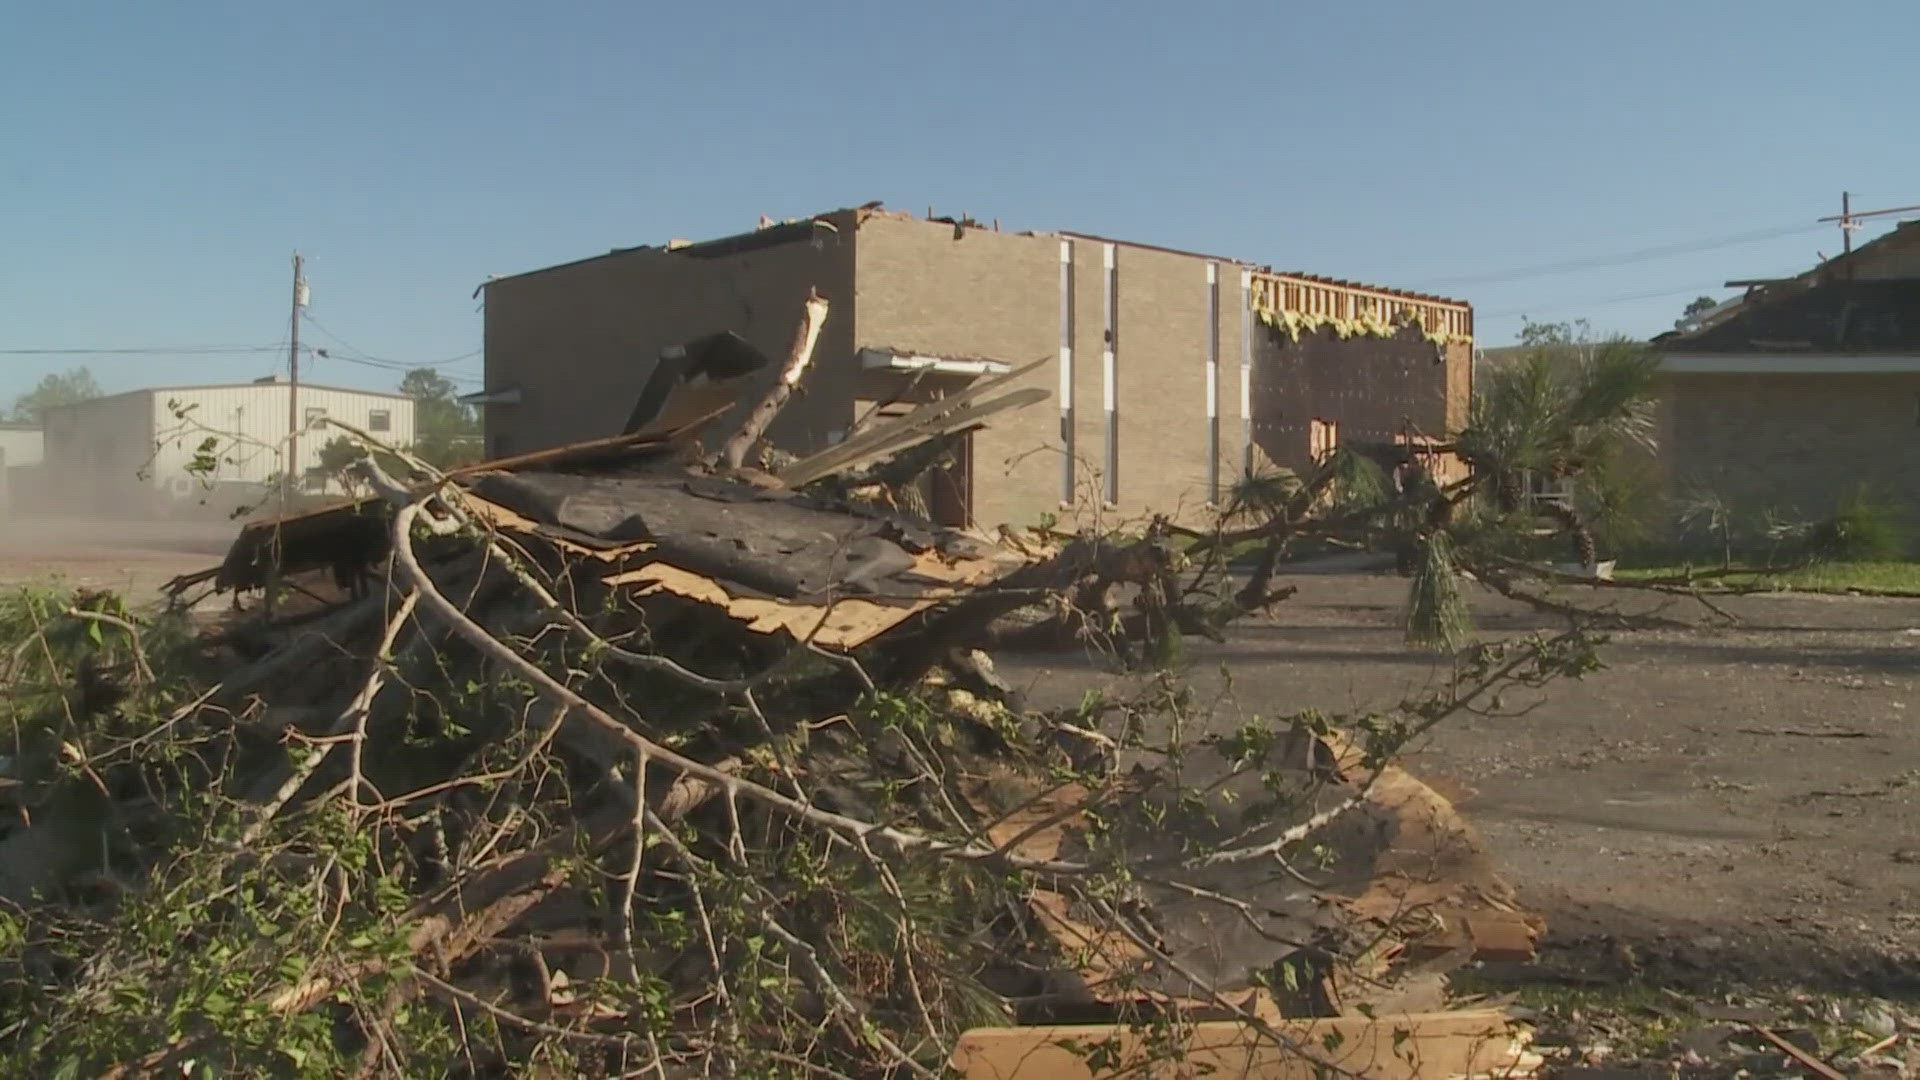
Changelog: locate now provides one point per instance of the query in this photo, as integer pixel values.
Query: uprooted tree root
(488, 821)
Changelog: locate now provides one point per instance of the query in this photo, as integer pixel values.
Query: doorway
(950, 500)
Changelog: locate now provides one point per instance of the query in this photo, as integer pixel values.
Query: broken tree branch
(571, 703)
(734, 452)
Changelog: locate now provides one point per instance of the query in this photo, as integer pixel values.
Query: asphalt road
(1718, 799)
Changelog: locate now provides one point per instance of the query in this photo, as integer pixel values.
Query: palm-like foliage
(1566, 410)
(1262, 494)
(1570, 410)
(1560, 409)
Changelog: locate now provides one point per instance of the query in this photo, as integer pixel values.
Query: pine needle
(1358, 481)
(1437, 615)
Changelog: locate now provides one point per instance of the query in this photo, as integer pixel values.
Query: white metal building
(19, 452)
(19, 444)
(133, 452)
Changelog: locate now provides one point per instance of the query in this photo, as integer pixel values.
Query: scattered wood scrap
(1806, 1061)
(1463, 1043)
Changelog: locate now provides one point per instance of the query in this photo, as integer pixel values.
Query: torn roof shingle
(1839, 317)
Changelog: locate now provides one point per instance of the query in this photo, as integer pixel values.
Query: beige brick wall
(1162, 372)
(987, 295)
(996, 295)
(581, 339)
(1799, 443)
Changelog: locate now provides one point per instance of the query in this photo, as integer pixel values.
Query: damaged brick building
(1804, 392)
(1172, 373)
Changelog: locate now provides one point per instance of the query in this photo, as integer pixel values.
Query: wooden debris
(1465, 1043)
(1807, 1061)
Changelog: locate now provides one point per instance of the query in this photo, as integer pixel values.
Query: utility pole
(292, 469)
(1850, 222)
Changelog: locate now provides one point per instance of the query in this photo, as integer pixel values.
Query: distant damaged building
(1803, 393)
(1171, 373)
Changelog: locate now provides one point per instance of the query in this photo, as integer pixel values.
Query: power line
(147, 350)
(1624, 258)
(364, 357)
(1714, 286)
(383, 366)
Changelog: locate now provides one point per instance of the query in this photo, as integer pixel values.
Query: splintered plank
(1465, 1043)
(837, 623)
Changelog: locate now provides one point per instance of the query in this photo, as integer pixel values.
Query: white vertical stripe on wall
(1066, 372)
(1213, 383)
(1246, 371)
(1110, 364)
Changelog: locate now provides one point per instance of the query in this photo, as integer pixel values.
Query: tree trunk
(734, 453)
(1585, 551)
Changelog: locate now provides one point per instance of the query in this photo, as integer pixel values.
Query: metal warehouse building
(130, 453)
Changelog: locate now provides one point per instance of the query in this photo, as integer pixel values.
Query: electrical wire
(1625, 258)
(1683, 290)
(378, 366)
(369, 358)
(366, 359)
(147, 350)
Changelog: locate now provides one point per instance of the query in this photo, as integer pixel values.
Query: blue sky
(160, 162)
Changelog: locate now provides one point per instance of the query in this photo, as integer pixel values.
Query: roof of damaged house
(1860, 302)
(771, 233)
(1838, 317)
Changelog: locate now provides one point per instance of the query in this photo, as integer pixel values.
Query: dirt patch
(132, 557)
(1719, 803)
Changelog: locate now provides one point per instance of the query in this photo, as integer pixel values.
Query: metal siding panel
(251, 424)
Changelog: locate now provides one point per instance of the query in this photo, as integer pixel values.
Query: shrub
(1863, 530)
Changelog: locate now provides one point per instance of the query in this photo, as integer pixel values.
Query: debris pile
(638, 755)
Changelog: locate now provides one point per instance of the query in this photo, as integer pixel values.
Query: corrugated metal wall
(250, 426)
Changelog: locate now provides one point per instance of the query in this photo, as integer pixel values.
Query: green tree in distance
(339, 453)
(55, 389)
(446, 434)
(1696, 306)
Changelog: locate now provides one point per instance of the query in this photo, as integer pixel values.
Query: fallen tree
(626, 758)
